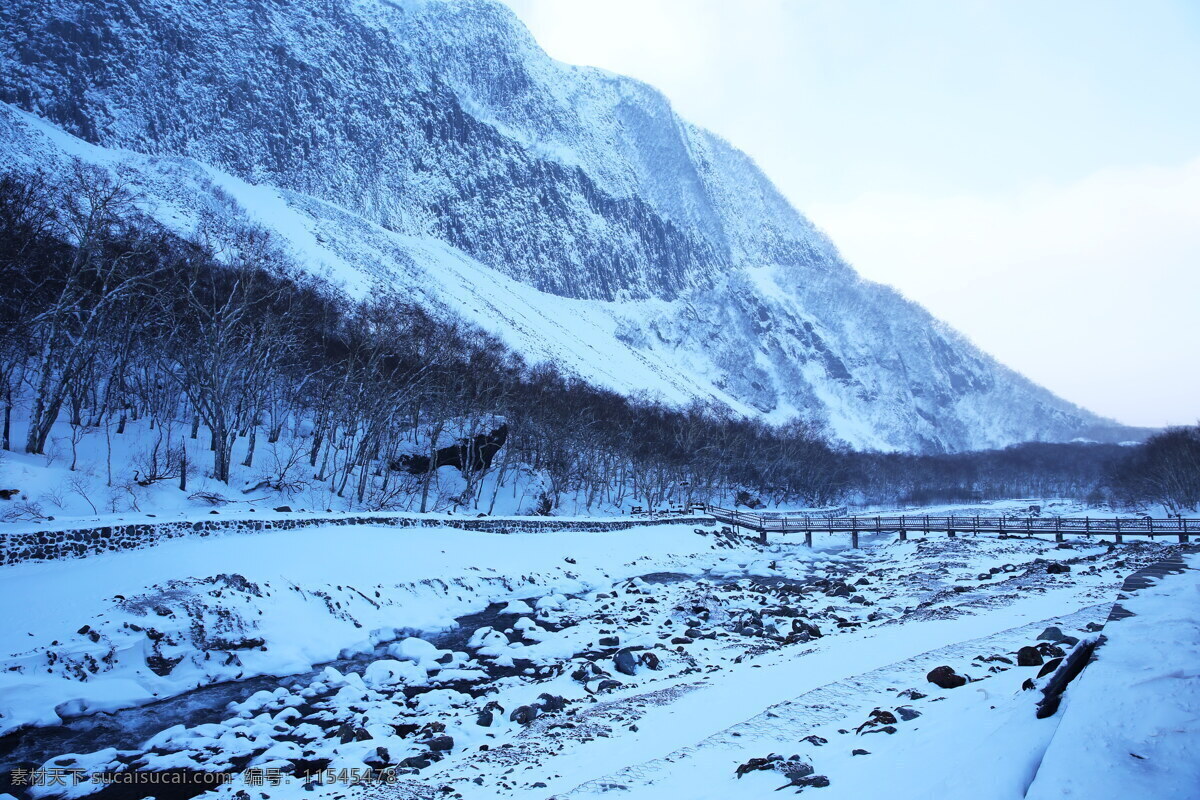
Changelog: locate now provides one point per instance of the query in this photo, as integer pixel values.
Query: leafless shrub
(79, 486)
(24, 511)
(212, 498)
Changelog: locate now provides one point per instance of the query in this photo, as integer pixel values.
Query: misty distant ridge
(433, 148)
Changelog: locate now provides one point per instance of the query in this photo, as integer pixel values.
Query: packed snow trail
(784, 725)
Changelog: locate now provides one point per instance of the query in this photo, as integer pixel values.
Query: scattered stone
(415, 762)
(996, 657)
(1051, 650)
(858, 751)
(1028, 657)
(1051, 634)
(1057, 569)
(523, 715)
(380, 759)
(794, 769)
(907, 714)
(625, 662)
(889, 729)
(755, 764)
(550, 703)
(878, 717)
(945, 677)
(440, 744)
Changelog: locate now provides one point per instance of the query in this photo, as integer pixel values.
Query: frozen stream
(127, 728)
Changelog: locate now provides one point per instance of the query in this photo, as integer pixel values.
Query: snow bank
(1131, 720)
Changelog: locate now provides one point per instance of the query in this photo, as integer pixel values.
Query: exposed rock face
(434, 149)
(466, 455)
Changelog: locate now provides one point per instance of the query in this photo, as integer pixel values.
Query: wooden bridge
(1058, 527)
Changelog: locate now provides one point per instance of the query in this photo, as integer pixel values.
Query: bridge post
(903, 529)
(950, 527)
(854, 539)
(808, 538)
(1119, 538)
(1058, 535)
(1183, 537)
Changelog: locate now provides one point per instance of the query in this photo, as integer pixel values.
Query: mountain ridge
(433, 145)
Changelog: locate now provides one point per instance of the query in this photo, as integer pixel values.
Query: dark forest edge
(219, 340)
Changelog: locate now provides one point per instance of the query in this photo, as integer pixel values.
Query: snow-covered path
(837, 682)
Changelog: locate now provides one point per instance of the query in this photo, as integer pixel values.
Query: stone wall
(48, 545)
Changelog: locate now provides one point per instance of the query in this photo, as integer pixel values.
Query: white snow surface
(718, 696)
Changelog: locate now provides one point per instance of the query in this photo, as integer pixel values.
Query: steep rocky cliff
(432, 146)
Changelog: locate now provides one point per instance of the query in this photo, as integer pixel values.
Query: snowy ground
(645, 663)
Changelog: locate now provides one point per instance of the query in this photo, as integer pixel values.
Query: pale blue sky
(1029, 171)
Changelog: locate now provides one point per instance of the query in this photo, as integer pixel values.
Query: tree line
(218, 339)
(217, 342)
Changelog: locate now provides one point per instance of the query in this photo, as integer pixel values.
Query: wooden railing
(1118, 527)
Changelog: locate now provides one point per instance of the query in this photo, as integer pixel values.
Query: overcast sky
(1027, 170)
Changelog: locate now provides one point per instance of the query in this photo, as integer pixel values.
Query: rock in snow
(945, 678)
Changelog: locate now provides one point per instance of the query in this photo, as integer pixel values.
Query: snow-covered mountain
(431, 146)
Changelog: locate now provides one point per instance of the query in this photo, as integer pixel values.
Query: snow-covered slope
(431, 146)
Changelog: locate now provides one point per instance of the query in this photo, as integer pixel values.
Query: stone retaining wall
(49, 545)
